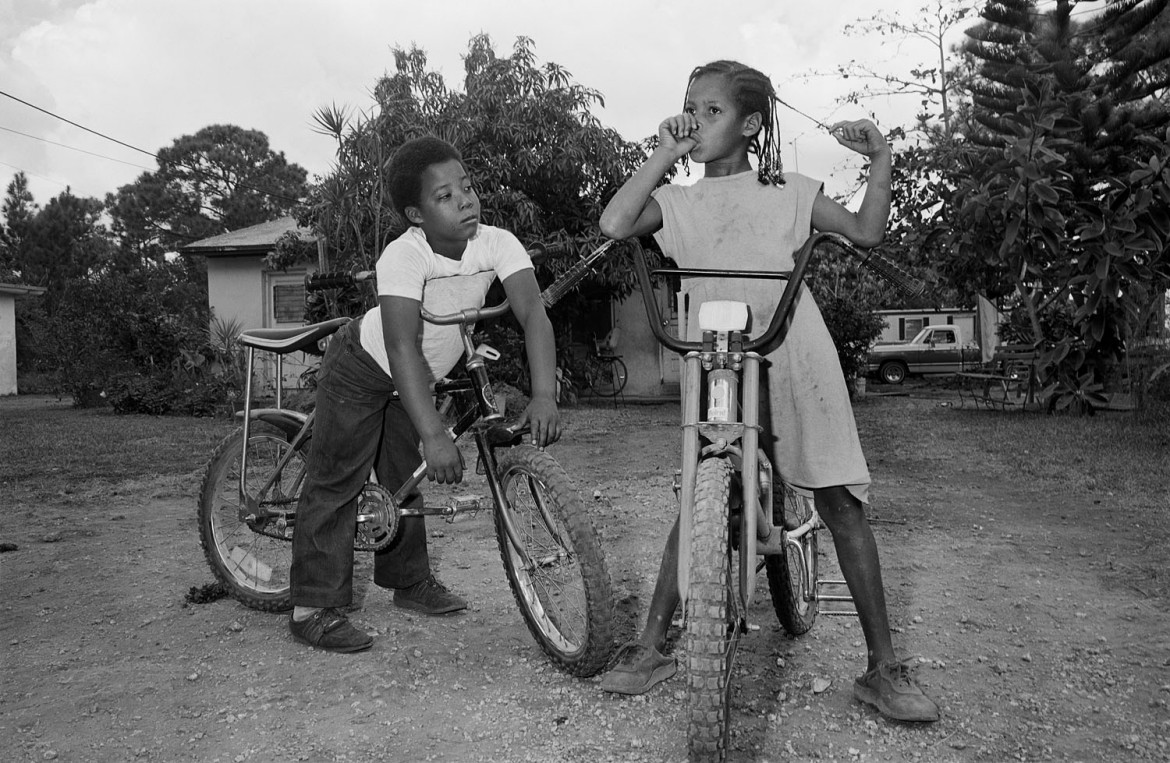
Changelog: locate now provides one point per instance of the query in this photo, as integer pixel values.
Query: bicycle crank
(377, 518)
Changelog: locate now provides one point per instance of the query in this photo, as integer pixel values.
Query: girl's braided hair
(752, 92)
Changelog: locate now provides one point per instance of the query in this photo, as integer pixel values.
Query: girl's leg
(666, 599)
(857, 554)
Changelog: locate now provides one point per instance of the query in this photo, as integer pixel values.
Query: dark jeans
(360, 424)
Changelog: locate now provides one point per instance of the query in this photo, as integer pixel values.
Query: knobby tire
(564, 595)
(710, 627)
(788, 580)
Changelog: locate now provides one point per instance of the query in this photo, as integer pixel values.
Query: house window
(288, 303)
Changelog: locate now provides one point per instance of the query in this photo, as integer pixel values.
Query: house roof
(255, 239)
(17, 290)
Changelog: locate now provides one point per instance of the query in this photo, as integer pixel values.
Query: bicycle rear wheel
(607, 375)
(712, 630)
(553, 561)
(788, 578)
(251, 558)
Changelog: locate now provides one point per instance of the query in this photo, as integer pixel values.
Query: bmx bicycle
(737, 516)
(548, 545)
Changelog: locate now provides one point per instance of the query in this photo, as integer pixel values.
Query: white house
(8, 294)
(241, 289)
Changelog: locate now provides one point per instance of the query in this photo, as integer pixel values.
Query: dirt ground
(1023, 607)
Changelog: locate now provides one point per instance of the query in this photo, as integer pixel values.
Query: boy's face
(448, 208)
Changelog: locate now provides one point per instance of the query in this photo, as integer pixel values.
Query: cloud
(149, 71)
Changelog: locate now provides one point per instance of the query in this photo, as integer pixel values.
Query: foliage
(220, 179)
(542, 163)
(848, 300)
(114, 323)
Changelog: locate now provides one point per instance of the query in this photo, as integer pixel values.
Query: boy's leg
(405, 564)
(345, 439)
(886, 684)
(641, 665)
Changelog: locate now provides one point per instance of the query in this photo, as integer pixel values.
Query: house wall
(902, 325)
(238, 288)
(7, 344)
(652, 371)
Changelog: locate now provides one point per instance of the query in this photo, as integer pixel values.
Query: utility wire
(195, 170)
(73, 148)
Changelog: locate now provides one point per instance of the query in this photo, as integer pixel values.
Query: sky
(146, 72)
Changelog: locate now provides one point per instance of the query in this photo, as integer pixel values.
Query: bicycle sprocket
(377, 518)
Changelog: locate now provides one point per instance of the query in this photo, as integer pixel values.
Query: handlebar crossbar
(875, 262)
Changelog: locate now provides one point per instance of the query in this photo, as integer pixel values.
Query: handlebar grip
(892, 272)
(335, 280)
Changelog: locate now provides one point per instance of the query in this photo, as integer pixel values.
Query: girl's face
(723, 134)
(448, 208)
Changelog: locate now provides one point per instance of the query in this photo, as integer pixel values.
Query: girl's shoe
(889, 689)
(639, 669)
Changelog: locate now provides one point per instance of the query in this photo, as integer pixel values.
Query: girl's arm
(631, 211)
(541, 415)
(400, 325)
(867, 226)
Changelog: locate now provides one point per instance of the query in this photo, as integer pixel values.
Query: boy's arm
(541, 414)
(631, 211)
(400, 326)
(867, 226)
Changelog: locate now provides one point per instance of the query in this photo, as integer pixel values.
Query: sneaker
(329, 629)
(428, 596)
(889, 689)
(639, 669)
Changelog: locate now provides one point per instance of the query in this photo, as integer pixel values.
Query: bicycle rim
(788, 578)
(712, 628)
(553, 561)
(252, 560)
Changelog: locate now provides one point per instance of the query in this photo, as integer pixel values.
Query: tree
(1067, 185)
(543, 164)
(220, 179)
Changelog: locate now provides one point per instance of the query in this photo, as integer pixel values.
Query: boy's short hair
(408, 165)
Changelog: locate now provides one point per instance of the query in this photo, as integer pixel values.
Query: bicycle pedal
(834, 598)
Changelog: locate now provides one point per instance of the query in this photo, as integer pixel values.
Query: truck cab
(935, 349)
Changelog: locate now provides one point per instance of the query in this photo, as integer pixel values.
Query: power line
(82, 127)
(74, 148)
(195, 170)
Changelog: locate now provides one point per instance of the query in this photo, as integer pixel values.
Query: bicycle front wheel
(251, 556)
(711, 627)
(554, 562)
(789, 580)
(607, 376)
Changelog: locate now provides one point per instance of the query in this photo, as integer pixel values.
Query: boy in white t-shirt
(374, 405)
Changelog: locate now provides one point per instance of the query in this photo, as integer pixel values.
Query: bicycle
(548, 545)
(605, 371)
(723, 544)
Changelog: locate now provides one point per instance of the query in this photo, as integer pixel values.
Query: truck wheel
(893, 372)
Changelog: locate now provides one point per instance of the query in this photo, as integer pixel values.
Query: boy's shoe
(428, 596)
(889, 689)
(639, 669)
(329, 629)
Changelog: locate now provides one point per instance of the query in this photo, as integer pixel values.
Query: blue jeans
(360, 424)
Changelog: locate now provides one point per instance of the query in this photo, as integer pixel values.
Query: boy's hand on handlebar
(444, 461)
(862, 136)
(543, 420)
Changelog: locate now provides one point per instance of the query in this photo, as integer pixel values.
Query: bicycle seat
(282, 341)
(723, 315)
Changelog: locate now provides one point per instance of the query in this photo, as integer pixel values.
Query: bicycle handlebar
(337, 280)
(872, 260)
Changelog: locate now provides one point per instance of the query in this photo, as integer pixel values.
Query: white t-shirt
(409, 268)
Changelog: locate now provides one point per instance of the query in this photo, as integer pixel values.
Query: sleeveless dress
(737, 223)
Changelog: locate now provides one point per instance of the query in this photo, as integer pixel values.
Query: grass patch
(48, 451)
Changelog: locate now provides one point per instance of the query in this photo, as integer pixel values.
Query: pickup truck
(936, 349)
